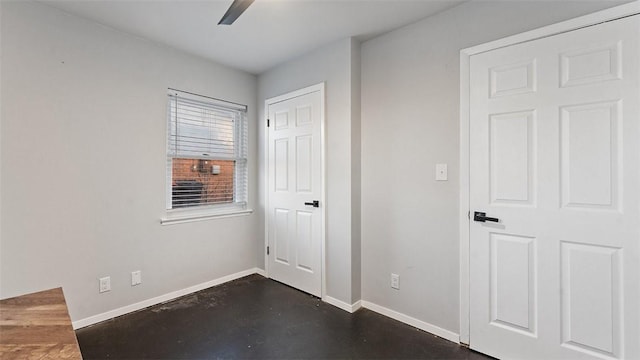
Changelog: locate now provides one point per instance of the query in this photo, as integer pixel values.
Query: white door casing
(294, 181)
(554, 153)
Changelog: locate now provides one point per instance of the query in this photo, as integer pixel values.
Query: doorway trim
(464, 221)
(323, 181)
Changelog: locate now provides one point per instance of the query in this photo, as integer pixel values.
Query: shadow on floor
(258, 318)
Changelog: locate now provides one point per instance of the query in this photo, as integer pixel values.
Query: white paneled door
(554, 174)
(295, 189)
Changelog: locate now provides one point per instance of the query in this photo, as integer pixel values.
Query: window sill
(187, 217)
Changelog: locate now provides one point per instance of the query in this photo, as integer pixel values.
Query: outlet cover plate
(136, 278)
(441, 172)
(395, 281)
(104, 284)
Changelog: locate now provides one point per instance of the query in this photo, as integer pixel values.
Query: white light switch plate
(441, 172)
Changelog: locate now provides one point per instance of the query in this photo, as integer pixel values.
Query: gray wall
(410, 96)
(331, 64)
(356, 195)
(83, 164)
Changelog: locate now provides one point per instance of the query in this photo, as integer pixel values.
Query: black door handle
(482, 217)
(315, 203)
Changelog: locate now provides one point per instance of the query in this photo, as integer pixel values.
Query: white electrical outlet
(105, 284)
(395, 281)
(441, 172)
(136, 278)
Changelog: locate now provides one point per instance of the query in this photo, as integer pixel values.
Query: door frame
(464, 220)
(323, 214)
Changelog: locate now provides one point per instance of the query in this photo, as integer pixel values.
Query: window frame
(208, 211)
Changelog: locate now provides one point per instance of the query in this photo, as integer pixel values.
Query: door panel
(555, 156)
(589, 145)
(304, 162)
(304, 235)
(513, 282)
(512, 79)
(295, 178)
(281, 236)
(281, 164)
(591, 275)
(591, 64)
(512, 148)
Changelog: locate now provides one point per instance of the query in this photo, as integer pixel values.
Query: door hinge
(268, 122)
(267, 250)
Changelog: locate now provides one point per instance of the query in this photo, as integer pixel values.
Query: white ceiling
(268, 33)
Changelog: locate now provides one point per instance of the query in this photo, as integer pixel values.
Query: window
(206, 153)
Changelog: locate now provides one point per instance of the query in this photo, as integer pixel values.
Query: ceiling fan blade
(235, 10)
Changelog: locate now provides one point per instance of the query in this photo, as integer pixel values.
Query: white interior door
(554, 155)
(294, 212)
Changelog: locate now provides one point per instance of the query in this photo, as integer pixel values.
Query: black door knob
(482, 217)
(315, 203)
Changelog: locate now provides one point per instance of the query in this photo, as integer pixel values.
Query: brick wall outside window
(198, 174)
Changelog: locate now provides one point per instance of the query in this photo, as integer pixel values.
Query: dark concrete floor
(257, 318)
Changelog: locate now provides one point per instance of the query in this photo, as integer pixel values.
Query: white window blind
(206, 152)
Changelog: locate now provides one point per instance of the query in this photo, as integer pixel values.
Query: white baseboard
(438, 331)
(162, 298)
(342, 305)
(435, 330)
(356, 306)
(261, 272)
